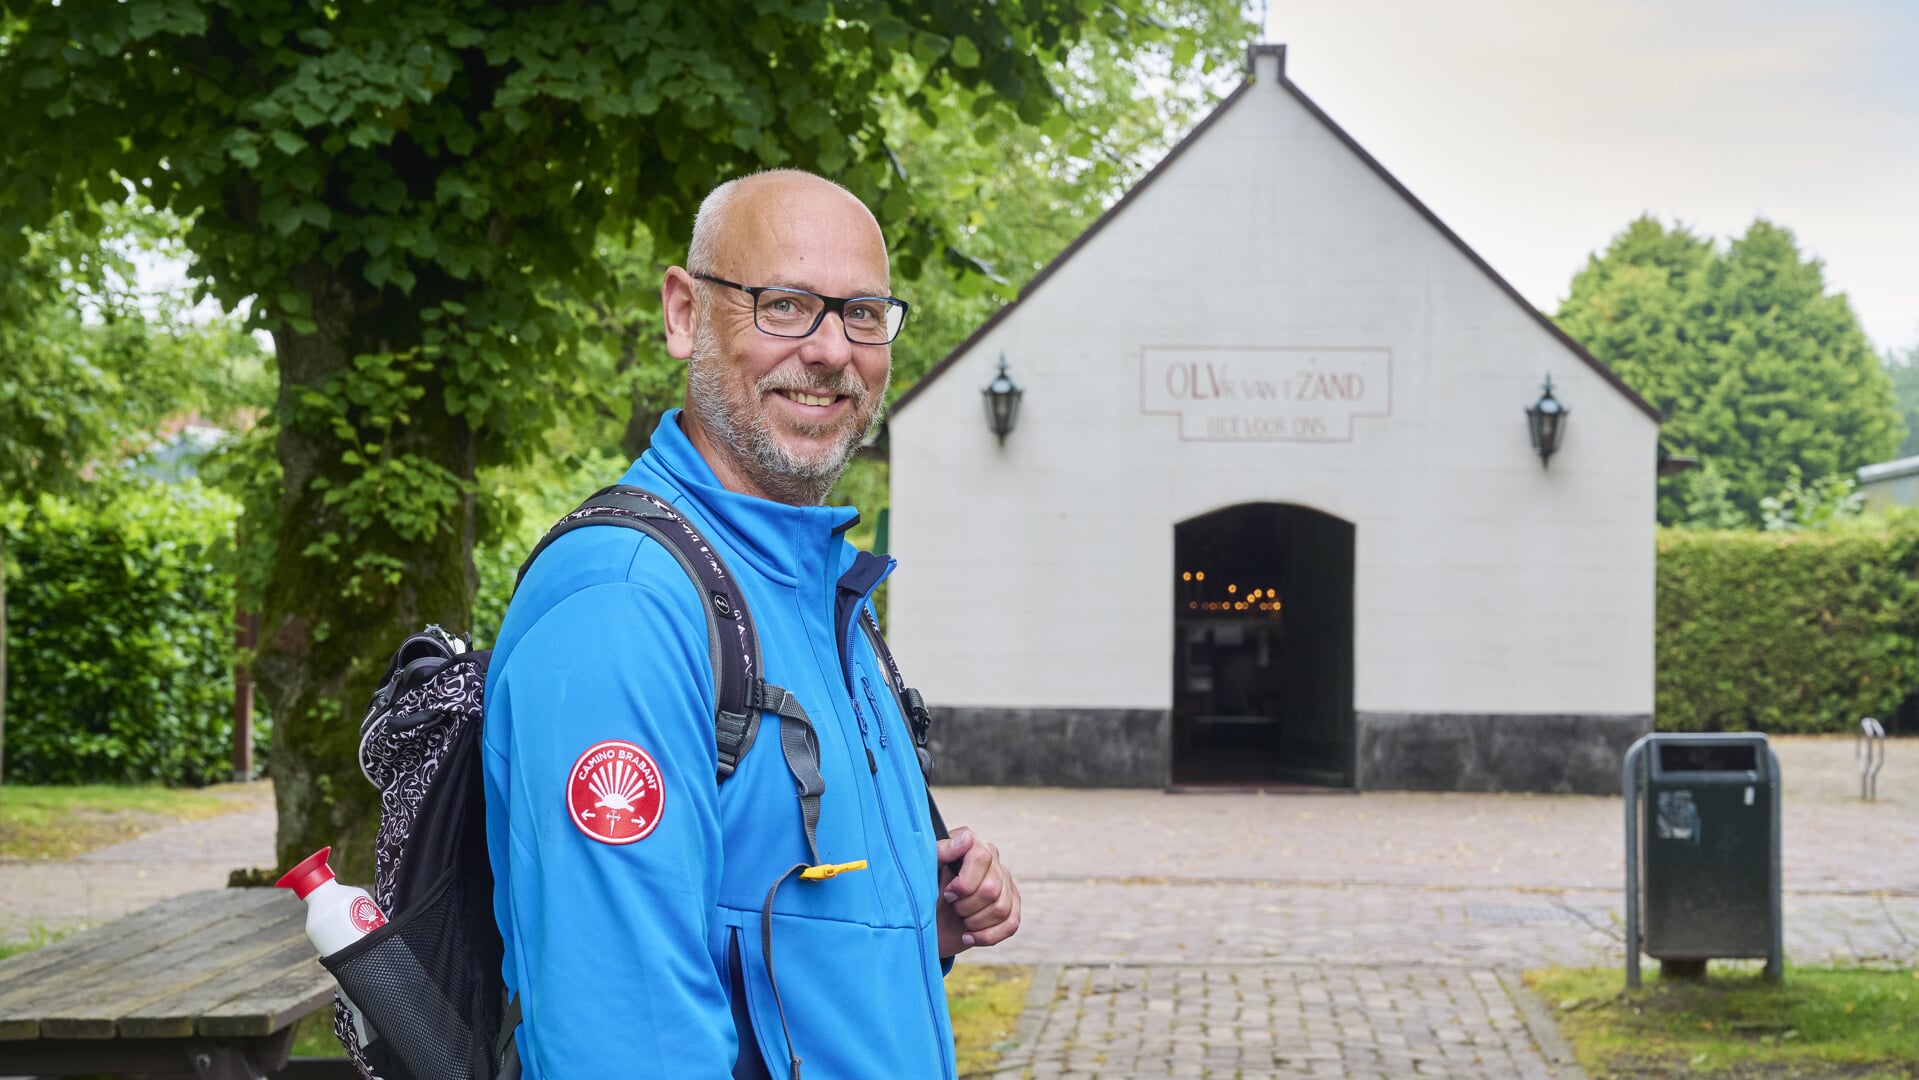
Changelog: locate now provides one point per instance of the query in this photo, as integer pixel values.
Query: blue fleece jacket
(628, 879)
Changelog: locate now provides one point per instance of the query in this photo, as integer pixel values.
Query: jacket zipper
(899, 775)
(886, 821)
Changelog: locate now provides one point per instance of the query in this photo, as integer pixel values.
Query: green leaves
(1786, 631)
(1015, 184)
(91, 361)
(121, 620)
(1183, 52)
(1760, 371)
(433, 179)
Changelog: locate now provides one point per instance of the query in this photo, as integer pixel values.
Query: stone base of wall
(1051, 747)
(1560, 754)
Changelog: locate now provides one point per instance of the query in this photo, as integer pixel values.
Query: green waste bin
(1702, 851)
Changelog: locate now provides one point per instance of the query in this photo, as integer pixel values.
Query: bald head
(746, 214)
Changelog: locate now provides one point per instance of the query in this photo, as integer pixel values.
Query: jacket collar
(787, 543)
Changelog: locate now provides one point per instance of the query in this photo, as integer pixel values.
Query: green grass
(985, 1002)
(984, 999)
(313, 1036)
(1818, 1023)
(60, 822)
(37, 937)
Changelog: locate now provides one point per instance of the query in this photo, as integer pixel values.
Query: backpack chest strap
(800, 745)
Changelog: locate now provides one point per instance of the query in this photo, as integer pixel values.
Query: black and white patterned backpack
(428, 982)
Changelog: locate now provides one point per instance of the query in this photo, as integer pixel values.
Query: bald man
(644, 952)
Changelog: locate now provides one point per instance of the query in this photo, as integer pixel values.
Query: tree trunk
(321, 649)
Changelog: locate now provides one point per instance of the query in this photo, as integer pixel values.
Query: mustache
(841, 384)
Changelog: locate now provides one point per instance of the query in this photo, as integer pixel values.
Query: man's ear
(677, 308)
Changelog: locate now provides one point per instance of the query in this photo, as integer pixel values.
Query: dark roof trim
(1552, 328)
(1072, 249)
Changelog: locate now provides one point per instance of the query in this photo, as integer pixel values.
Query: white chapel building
(1271, 512)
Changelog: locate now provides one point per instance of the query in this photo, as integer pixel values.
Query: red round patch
(614, 793)
(365, 915)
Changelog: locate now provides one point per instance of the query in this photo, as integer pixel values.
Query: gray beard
(784, 476)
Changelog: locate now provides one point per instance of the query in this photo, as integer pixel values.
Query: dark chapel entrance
(1263, 648)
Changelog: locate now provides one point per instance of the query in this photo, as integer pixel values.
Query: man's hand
(980, 904)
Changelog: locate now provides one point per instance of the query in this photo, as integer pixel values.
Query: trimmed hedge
(120, 636)
(120, 619)
(1786, 631)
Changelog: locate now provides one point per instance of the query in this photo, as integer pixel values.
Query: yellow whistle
(827, 870)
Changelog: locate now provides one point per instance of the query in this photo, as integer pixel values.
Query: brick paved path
(38, 895)
(1247, 1020)
(1378, 935)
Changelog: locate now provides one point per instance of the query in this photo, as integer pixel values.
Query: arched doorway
(1263, 648)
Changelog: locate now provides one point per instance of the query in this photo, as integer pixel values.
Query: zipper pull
(870, 763)
(860, 716)
(879, 718)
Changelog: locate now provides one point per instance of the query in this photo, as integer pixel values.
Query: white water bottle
(337, 916)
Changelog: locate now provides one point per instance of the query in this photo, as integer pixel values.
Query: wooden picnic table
(205, 985)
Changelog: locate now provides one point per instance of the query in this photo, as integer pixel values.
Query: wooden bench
(206, 985)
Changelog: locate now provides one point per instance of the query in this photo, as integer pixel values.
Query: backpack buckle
(920, 719)
(918, 715)
(730, 732)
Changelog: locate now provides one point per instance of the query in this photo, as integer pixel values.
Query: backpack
(428, 982)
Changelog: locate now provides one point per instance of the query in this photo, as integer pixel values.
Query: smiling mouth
(817, 400)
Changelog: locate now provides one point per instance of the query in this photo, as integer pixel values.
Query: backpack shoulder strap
(731, 639)
(742, 696)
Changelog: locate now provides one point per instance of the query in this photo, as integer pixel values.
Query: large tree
(1762, 372)
(91, 360)
(1016, 193)
(412, 194)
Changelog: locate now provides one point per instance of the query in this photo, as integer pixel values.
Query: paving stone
(1360, 955)
(1249, 936)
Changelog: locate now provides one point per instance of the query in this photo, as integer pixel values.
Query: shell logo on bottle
(365, 915)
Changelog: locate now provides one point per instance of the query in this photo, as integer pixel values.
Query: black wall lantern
(1002, 402)
(1547, 420)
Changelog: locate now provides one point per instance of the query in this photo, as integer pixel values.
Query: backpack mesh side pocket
(413, 980)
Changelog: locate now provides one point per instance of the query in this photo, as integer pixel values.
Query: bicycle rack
(1869, 752)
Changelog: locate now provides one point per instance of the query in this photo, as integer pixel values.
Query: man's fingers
(981, 900)
(998, 927)
(956, 847)
(978, 860)
(985, 916)
(989, 893)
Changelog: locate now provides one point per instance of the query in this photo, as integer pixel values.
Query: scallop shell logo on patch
(365, 915)
(614, 793)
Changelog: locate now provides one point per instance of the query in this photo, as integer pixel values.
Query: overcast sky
(1537, 129)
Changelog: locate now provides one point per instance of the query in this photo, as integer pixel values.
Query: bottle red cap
(312, 873)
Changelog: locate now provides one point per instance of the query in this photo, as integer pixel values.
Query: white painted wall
(1041, 573)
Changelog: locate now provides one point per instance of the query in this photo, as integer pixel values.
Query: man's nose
(828, 345)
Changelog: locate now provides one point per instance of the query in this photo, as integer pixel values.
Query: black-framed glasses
(795, 313)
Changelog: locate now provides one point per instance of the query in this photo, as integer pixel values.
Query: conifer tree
(1761, 371)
